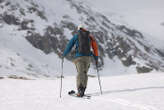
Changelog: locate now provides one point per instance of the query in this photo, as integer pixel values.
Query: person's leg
(82, 66)
(87, 61)
(80, 70)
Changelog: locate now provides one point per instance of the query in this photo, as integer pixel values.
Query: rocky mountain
(48, 25)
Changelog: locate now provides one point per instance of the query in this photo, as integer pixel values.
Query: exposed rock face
(143, 69)
(11, 19)
(128, 45)
(49, 42)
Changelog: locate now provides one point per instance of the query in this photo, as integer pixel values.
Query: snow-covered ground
(128, 92)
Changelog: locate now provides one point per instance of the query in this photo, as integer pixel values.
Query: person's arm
(94, 47)
(70, 45)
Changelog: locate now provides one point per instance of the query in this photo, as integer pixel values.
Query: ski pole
(61, 77)
(99, 78)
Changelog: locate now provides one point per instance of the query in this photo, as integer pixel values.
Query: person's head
(79, 27)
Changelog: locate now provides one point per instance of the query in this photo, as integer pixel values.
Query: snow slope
(145, 16)
(128, 92)
(19, 57)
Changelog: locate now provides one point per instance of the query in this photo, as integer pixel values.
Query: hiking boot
(81, 91)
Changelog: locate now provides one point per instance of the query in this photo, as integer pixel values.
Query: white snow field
(126, 92)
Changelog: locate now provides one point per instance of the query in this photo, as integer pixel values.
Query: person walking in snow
(83, 42)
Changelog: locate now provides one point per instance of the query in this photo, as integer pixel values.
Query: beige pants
(82, 66)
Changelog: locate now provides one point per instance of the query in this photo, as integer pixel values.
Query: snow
(122, 88)
(115, 67)
(15, 49)
(148, 21)
(29, 60)
(145, 16)
(128, 92)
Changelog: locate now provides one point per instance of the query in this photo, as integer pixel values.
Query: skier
(83, 42)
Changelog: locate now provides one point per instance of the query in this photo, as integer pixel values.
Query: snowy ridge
(145, 16)
(28, 60)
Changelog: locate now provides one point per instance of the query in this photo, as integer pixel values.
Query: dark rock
(2, 1)
(69, 25)
(128, 61)
(130, 32)
(22, 11)
(161, 53)
(143, 69)
(25, 25)
(7, 3)
(38, 12)
(11, 19)
(18, 77)
(49, 42)
(1, 77)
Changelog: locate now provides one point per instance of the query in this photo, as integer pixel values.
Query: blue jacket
(72, 42)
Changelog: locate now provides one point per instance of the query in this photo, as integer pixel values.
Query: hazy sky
(128, 5)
